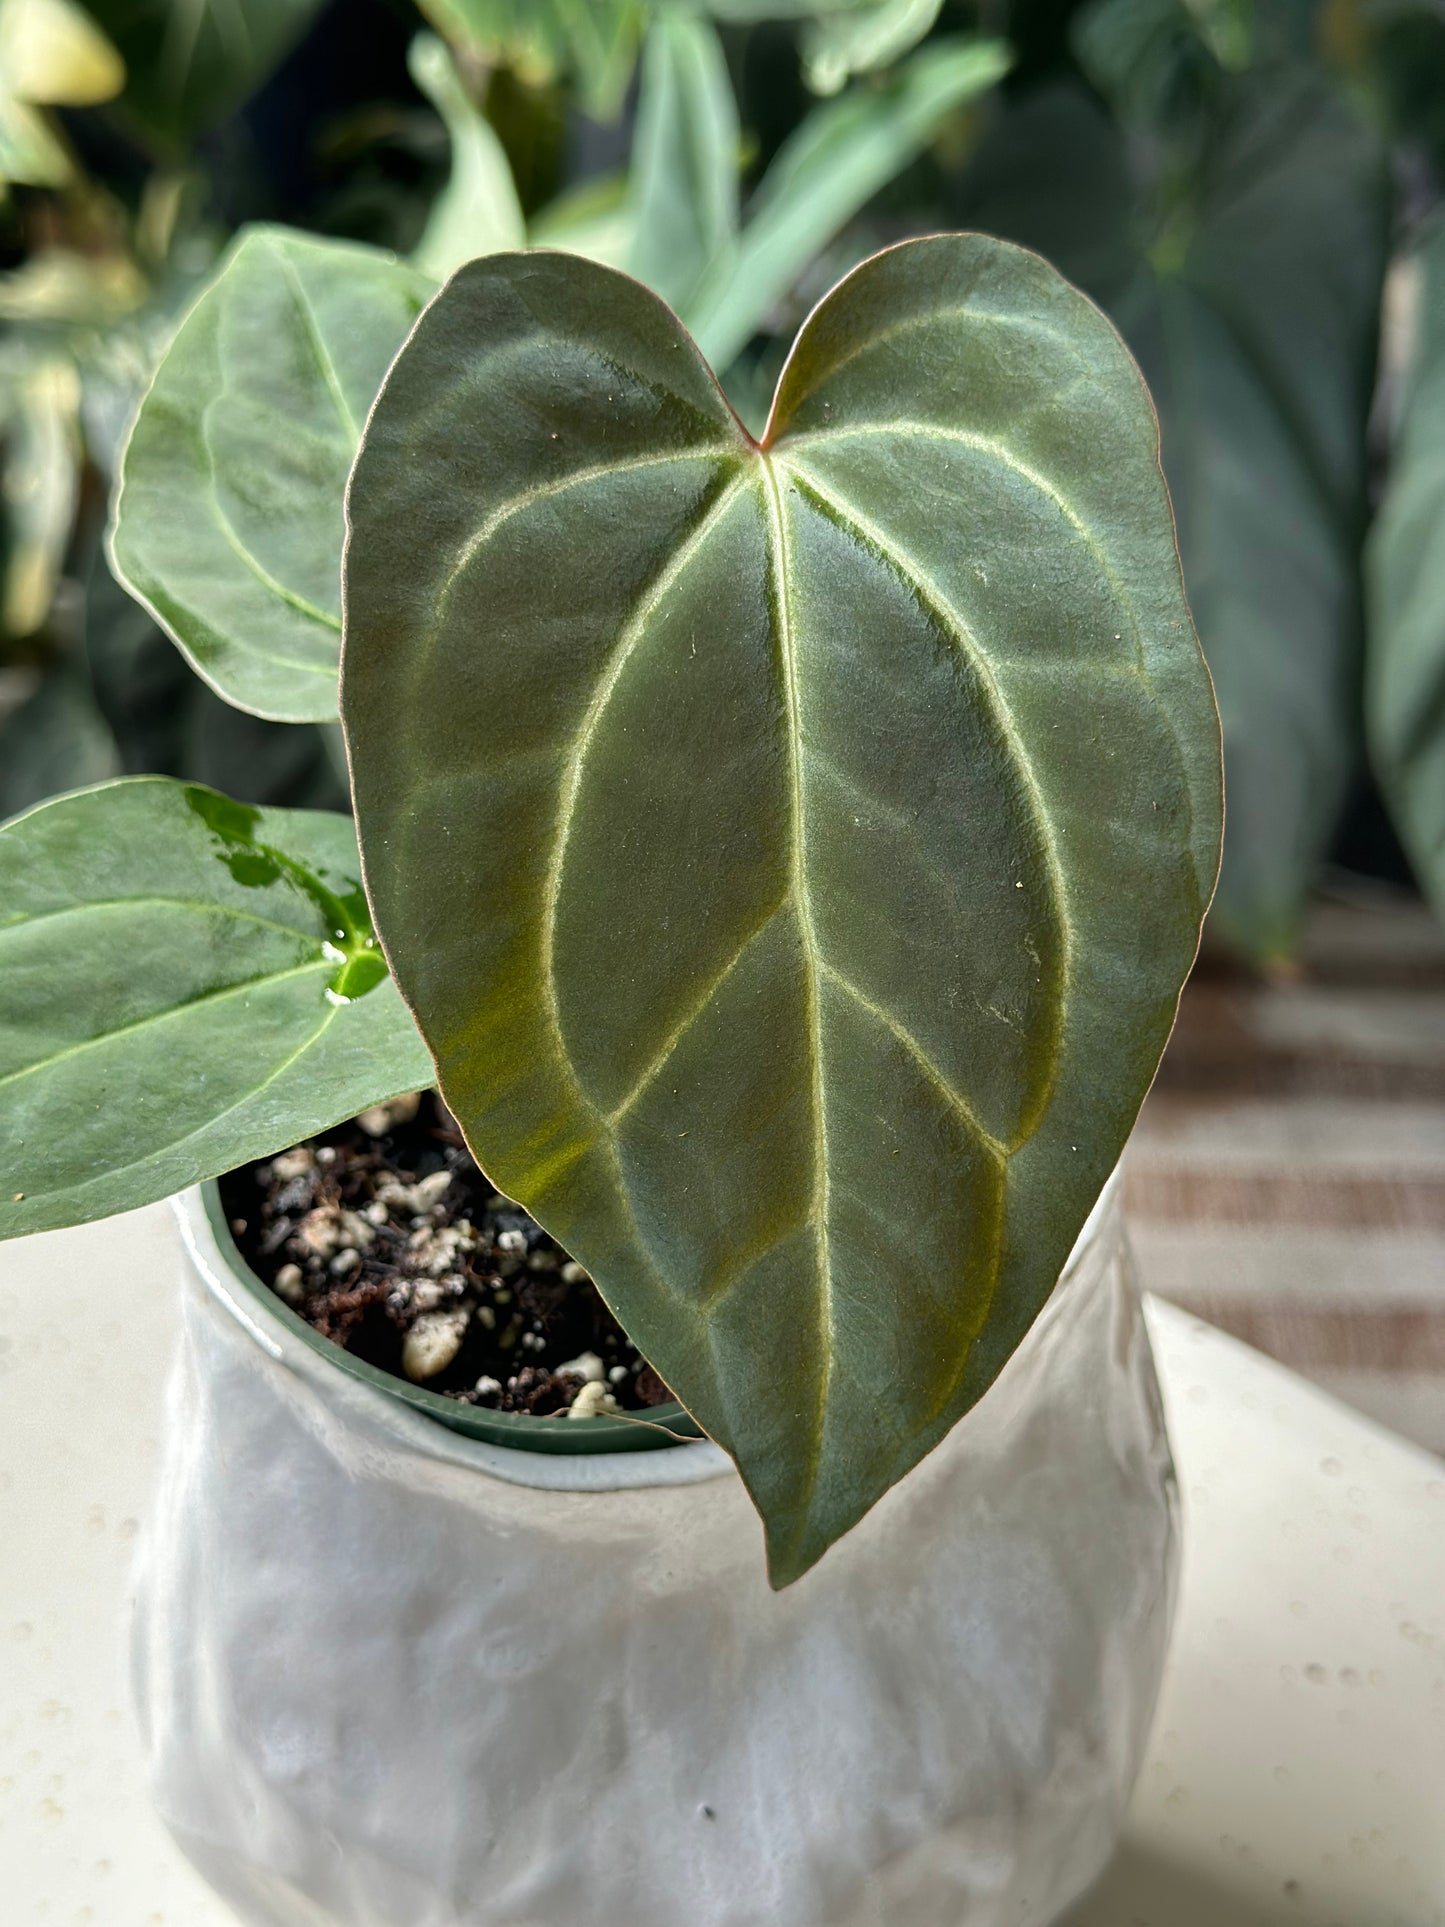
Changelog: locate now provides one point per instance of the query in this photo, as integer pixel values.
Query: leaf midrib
(203, 907)
(206, 999)
(816, 966)
(209, 1124)
(570, 779)
(845, 514)
(808, 938)
(320, 351)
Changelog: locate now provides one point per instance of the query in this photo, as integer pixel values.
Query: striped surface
(1287, 1179)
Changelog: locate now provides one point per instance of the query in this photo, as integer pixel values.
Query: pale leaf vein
(951, 622)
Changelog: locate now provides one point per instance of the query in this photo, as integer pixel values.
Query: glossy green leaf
(1405, 684)
(793, 853)
(832, 165)
(684, 175)
(185, 983)
(477, 212)
(189, 63)
(228, 519)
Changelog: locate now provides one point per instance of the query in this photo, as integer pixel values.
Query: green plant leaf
(185, 983)
(228, 518)
(1405, 577)
(792, 853)
(477, 212)
(1259, 336)
(189, 63)
(1254, 317)
(543, 40)
(833, 163)
(1155, 60)
(838, 45)
(684, 175)
(748, 11)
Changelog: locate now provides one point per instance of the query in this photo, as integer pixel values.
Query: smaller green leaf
(1405, 582)
(228, 520)
(830, 167)
(861, 41)
(185, 983)
(748, 11)
(684, 179)
(544, 40)
(477, 212)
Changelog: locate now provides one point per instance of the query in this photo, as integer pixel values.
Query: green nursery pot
(664, 1426)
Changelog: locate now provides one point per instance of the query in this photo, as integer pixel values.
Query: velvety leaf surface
(792, 853)
(185, 983)
(228, 521)
(1405, 686)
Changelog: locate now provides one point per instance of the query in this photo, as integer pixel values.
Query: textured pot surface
(389, 1677)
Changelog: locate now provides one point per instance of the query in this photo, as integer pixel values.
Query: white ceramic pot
(390, 1677)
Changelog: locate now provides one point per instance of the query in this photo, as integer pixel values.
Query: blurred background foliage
(1250, 188)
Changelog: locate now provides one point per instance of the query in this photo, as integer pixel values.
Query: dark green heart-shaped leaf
(228, 520)
(1405, 685)
(792, 853)
(185, 983)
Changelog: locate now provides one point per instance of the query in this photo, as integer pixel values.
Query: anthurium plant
(784, 852)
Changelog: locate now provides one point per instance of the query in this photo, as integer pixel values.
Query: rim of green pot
(665, 1425)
